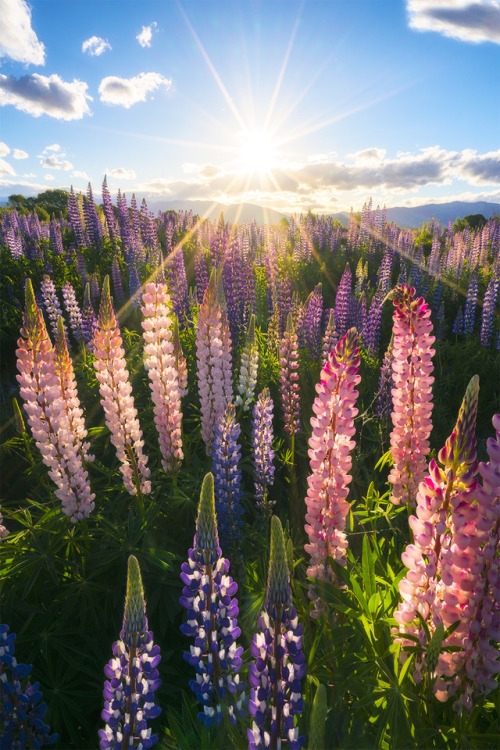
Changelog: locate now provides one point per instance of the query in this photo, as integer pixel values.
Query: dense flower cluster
(132, 676)
(279, 666)
(21, 708)
(159, 359)
(412, 394)
(226, 453)
(117, 400)
(248, 369)
(40, 388)
(213, 352)
(73, 310)
(330, 446)
(262, 451)
(208, 596)
(289, 377)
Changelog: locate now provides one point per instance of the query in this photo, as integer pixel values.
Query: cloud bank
(17, 38)
(45, 95)
(466, 20)
(125, 92)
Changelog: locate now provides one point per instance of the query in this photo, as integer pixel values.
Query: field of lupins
(251, 482)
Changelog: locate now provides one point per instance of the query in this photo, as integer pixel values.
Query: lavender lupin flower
(275, 675)
(226, 453)
(21, 709)
(89, 320)
(262, 452)
(132, 675)
(208, 595)
(73, 310)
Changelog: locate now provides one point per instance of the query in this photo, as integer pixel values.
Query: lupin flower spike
(289, 377)
(132, 675)
(208, 595)
(248, 369)
(275, 675)
(262, 451)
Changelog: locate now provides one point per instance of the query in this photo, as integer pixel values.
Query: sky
(312, 105)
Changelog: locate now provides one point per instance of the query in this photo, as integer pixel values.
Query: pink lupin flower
(330, 446)
(213, 353)
(289, 377)
(159, 359)
(412, 395)
(44, 403)
(117, 400)
(444, 561)
(67, 384)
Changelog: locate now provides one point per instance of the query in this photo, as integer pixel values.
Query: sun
(257, 152)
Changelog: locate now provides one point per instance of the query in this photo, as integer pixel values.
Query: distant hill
(244, 212)
(414, 216)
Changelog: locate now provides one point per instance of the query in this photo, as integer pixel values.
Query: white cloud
(6, 168)
(54, 162)
(18, 153)
(49, 177)
(121, 173)
(53, 147)
(81, 175)
(17, 39)
(128, 91)
(29, 174)
(95, 46)
(4, 149)
(145, 36)
(467, 20)
(45, 95)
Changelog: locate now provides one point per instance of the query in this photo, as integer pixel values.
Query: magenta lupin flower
(159, 359)
(213, 352)
(117, 400)
(330, 446)
(289, 377)
(40, 390)
(412, 394)
(444, 566)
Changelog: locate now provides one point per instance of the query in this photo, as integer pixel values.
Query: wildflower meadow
(250, 480)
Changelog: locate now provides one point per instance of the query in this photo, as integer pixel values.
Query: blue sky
(291, 105)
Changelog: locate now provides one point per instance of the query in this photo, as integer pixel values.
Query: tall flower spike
(412, 394)
(180, 360)
(444, 561)
(40, 389)
(289, 377)
(226, 453)
(132, 675)
(117, 400)
(21, 709)
(330, 446)
(159, 359)
(262, 452)
(275, 675)
(208, 596)
(248, 369)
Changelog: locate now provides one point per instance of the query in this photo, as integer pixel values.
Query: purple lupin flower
(458, 325)
(73, 310)
(226, 453)
(21, 709)
(109, 212)
(208, 596)
(385, 385)
(50, 301)
(117, 281)
(132, 675)
(489, 311)
(342, 302)
(289, 386)
(275, 675)
(471, 304)
(262, 451)
(75, 219)
(89, 320)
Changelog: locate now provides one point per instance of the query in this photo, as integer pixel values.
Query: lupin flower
(21, 708)
(117, 400)
(248, 369)
(132, 675)
(444, 579)
(67, 384)
(40, 389)
(262, 451)
(73, 310)
(330, 338)
(89, 320)
(208, 596)
(385, 385)
(51, 302)
(180, 360)
(213, 353)
(289, 386)
(275, 675)
(330, 446)
(226, 453)
(412, 394)
(159, 359)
